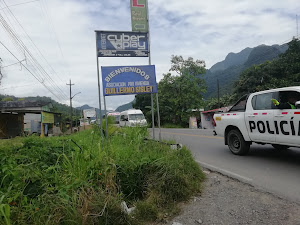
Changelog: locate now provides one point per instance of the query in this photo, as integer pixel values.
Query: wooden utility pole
(71, 125)
(218, 87)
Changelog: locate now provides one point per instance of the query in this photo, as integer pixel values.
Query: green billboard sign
(139, 15)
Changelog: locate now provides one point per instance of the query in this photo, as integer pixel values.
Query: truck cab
(255, 118)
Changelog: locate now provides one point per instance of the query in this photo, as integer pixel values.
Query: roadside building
(27, 117)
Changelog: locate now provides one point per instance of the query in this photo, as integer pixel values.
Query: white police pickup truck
(255, 118)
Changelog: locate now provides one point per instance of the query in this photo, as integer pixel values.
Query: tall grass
(81, 179)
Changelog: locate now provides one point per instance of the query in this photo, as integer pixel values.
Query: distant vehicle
(132, 118)
(260, 118)
(116, 115)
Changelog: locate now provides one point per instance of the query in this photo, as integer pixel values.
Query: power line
(48, 18)
(27, 69)
(20, 4)
(22, 47)
(18, 44)
(13, 64)
(35, 47)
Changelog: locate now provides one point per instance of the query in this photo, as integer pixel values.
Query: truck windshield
(136, 117)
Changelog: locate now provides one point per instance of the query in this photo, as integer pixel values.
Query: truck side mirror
(297, 104)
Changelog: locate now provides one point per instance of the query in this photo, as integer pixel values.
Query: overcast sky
(60, 36)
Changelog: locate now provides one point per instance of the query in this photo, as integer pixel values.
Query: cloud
(63, 31)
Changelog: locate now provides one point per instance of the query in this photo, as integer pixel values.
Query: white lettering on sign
(124, 41)
(103, 41)
(126, 69)
(116, 84)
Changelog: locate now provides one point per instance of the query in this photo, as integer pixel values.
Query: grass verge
(82, 179)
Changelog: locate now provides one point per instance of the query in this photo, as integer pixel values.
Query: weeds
(82, 180)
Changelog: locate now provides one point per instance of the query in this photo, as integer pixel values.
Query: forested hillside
(235, 64)
(124, 107)
(282, 71)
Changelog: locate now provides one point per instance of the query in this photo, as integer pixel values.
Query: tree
(281, 72)
(182, 92)
(7, 99)
(225, 100)
(143, 102)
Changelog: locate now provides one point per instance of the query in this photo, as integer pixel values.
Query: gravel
(228, 201)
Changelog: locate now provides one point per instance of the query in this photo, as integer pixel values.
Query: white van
(132, 118)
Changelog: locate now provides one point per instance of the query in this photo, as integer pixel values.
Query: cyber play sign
(122, 44)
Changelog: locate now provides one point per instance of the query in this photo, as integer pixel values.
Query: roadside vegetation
(180, 91)
(81, 179)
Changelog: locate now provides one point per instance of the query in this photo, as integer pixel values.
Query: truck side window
(240, 105)
(263, 101)
(288, 98)
(253, 101)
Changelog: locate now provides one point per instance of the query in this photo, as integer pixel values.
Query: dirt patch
(227, 201)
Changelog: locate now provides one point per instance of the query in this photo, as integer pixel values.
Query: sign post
(99, 91)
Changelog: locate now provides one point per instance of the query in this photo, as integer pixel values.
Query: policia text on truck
(266, 117)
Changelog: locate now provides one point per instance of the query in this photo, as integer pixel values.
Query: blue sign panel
(128, 80)
(122, 44)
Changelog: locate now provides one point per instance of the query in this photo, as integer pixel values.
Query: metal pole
(152, 109)
(99, 93)
(158, 116)
(149, 57)
(106, 124)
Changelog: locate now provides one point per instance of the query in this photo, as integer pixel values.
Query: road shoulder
(228, 201)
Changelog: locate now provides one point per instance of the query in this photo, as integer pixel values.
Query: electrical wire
(37, 49)
(49, 20)
(22, 48)
(20, 4)
(12, 64)
(37, 76)
(28, 69)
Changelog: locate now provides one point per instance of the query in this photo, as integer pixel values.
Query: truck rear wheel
(236, 143)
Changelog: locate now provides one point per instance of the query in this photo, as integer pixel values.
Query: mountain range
(228, 70)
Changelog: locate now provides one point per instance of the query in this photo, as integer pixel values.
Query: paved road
(264, 168)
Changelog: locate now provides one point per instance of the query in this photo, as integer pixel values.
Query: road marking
(225, 172)
(195, 135)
